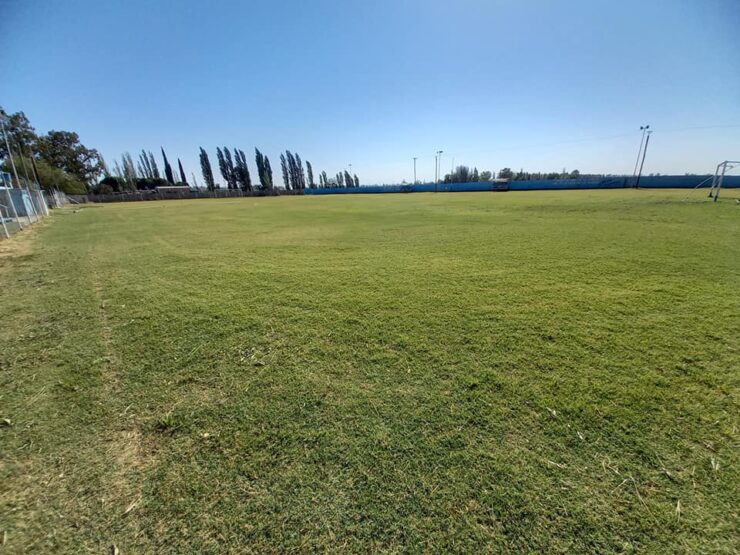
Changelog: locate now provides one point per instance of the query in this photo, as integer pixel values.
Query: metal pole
(720, 180)
(644, 152)
(12, 206)
(10, 153)
(2, 218)
(639, 150)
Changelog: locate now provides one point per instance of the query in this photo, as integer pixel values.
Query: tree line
(463, 174)
(58, 159)
(233, 168)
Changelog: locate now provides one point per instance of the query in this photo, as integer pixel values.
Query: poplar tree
(222, 166)
(205, 167)
(268, 174)
(241, 172)
(153, 164)
(309, 170)
(299, 172)
(284, 167)
(230, 173)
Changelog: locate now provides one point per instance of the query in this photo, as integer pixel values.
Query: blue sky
(541, 85)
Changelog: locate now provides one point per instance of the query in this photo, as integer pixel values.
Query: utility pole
(415, 170)
(644, 129)
(644, 152)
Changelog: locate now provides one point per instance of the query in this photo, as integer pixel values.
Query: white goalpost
(719, 176)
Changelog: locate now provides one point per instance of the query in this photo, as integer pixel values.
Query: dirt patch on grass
(21, 244)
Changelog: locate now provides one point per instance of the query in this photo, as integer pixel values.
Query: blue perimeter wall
(646, 182)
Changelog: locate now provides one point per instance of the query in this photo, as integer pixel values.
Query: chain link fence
(24, 205)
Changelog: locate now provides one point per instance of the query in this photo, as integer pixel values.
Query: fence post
(12, 206)
(33, 207)
(2, 217)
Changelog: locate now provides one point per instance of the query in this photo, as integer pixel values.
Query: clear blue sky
(522, 83)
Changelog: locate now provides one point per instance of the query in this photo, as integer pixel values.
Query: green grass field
(551, 372)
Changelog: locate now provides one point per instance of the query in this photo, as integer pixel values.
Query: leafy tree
(575, 174)
(485, 176)
(324, 177)
(349, 182)
(21, 135)
(505, 173)
(340, 179)
(357, 181)
(110, 185)
(63, 150)
(284, 167)
(183, 179)
(475, 176)
(167, 168)
(51, 178)
(206, 170)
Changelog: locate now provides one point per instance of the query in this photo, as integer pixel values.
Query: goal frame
(719, 177)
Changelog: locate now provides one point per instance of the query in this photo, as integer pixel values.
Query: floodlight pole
(644, 152)
(437, 168)
(643, 128)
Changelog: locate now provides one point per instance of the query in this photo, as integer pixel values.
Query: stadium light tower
(644, 129)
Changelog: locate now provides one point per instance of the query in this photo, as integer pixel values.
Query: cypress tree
(182, 172)
(348, 179)
(357, 181)
(167, 169)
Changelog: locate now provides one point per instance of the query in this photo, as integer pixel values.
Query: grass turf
(544, 371)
